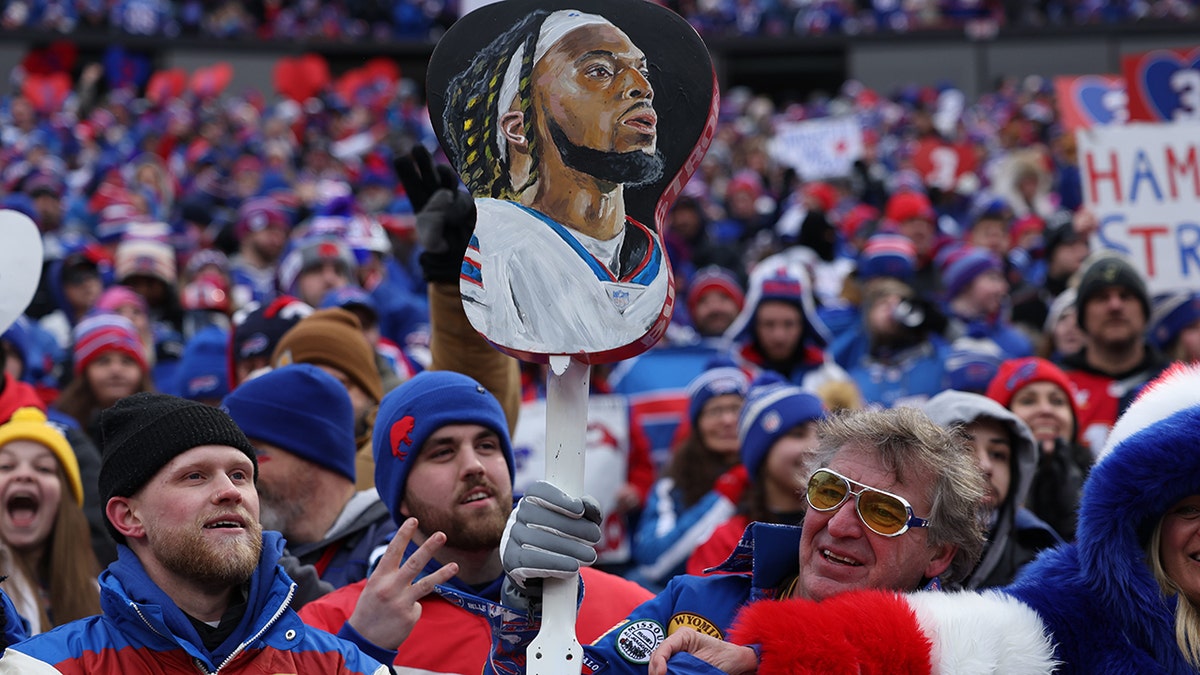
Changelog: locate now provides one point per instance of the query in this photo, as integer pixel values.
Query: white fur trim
(1176, 389)
(986, 632)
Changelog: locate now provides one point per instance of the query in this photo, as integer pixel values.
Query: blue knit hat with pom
(412, 412)
(301, 409)
(773, 408)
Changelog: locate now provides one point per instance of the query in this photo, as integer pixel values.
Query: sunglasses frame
(913, 520)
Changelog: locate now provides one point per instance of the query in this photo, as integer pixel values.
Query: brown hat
(332, 337)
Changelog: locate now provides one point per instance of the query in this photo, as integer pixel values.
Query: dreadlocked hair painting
(471, 115)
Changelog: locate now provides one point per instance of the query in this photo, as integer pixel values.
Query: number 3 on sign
(1186, 83)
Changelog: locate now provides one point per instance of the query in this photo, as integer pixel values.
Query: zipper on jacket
(146, 621)
(287, 602)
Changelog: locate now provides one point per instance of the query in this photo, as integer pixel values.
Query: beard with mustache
(185, 553)
(476, 532)
(632, 169)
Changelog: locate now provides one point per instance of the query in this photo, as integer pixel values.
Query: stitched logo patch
(695, 622)
(638, 639)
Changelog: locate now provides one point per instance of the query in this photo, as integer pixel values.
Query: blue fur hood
(1099, 596)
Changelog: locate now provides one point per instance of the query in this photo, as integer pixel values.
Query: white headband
(554, 28)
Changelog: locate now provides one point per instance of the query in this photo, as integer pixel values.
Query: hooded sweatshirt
(1015, 535)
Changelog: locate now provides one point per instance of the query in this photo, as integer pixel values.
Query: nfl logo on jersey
(621, 298)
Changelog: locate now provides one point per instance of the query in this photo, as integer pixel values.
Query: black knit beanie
(1110, 270)
(142, 433)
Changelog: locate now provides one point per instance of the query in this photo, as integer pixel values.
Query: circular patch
(771, 422)
(696, 623)
(638, 639)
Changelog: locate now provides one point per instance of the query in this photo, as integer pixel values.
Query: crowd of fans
(354, 20)
(264, 255)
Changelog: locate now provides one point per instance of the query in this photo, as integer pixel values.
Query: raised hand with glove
(445, 214)
(445, 223)
(550, 534)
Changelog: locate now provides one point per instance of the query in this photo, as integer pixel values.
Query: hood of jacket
(1100, 593)
(782, 277)
(957, 408)
(1151, 461)
(138, 606)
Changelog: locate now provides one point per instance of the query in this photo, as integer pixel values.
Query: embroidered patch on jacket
(696, 623)
(638, 639)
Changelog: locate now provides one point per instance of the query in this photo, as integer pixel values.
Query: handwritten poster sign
(818, 149)
(1086, 101)
(1143, 182)
(1164, 85)
(606, 455)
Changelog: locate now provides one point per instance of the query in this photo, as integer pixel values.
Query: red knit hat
(909, 205)
(103, 333)
(1014, 374)
(713, 278)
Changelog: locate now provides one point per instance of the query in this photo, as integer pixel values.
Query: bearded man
(548, 126)
(444, 459)
(197, 583)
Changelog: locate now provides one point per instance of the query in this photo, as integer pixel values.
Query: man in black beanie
(1112, 308)
(197, 582)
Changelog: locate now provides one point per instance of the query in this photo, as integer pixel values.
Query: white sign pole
(556, 649)
(20, 265)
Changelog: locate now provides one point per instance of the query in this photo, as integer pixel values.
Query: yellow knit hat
(29, 424)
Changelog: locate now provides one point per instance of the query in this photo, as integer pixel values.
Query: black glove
(445, 214)
(549, 535)
(920, 316)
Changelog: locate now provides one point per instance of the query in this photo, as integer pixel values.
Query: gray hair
(912, 446)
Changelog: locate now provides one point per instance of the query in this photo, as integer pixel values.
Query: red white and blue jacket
(764, 563)
(143, 631)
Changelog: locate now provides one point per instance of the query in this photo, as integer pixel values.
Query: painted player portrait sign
(574, 125)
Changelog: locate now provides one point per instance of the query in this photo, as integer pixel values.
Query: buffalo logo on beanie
(142, 433)
(302, 410)
(401, 434)
(1015, 374)
(414, 411)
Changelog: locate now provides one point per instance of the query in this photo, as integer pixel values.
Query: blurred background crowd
(353, 20)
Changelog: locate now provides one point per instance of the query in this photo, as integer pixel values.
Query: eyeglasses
(718, 410)
(882, 512)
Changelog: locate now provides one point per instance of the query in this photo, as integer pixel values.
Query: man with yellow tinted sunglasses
(895, 505)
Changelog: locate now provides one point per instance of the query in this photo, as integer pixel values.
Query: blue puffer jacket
(143, 631)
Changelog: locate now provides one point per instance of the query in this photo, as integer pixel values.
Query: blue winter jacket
(764, 562)
(143, 631)
(668, 531)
